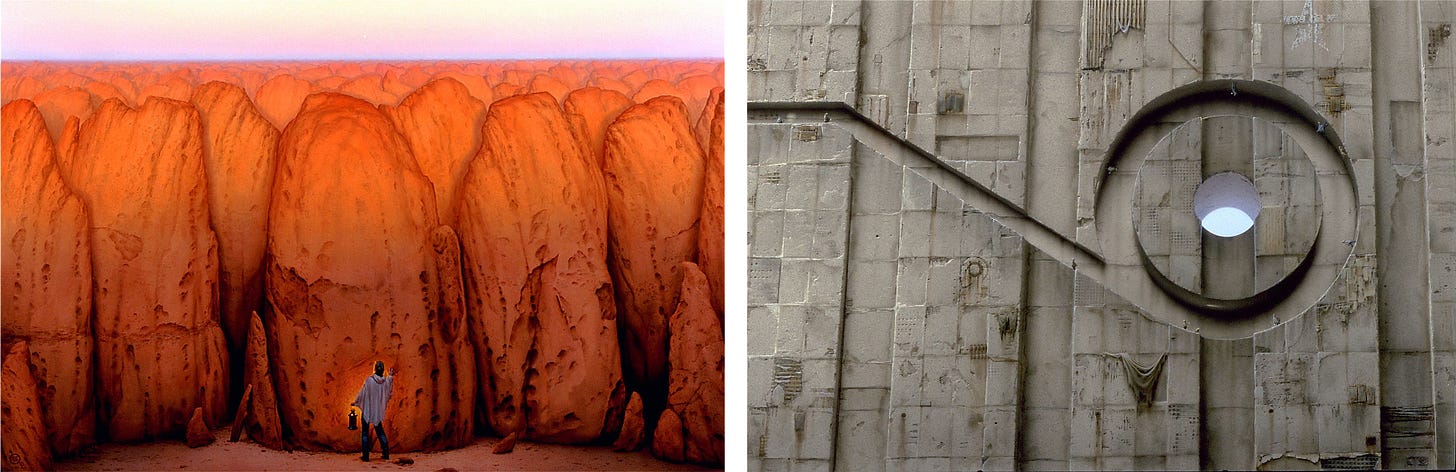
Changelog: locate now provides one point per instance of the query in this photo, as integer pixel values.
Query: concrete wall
(902, 317)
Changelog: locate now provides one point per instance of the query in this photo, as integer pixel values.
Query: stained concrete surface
(939, 279)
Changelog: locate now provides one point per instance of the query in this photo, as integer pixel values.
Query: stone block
(1180, 379)
(1090, 381)
(759, 375)
(1051, 427)
(830, 234)
(762, 332)
(872, 284)
(866, 374)
(911, 280)
(990, 382)
(943, 340)
(821, 337)
(764, 279)
(872, 400)
(826, 282)
(794, 280)
(845, 12)
(817, 439)
(798, 233)
(819, 376)
(791, 325)
(861, 441)
(767, 237)
(877, 184)
(1118, 432)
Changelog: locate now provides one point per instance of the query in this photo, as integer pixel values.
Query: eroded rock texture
(198, 434)
(60, 103)
(279, 98)
(263, 425)
(630, 438)
(533, 228)
(353, 277)
(695, 378)
(20, 412)
(238, 157)
(47, 277)
(160, 352)
(710, 228)
(590, 111)
(441, 122)
(654, 174)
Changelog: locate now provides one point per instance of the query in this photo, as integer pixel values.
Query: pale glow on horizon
(183, 30)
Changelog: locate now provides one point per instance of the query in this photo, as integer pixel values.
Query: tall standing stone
(47, 277)
(533, 226)
(160, 351)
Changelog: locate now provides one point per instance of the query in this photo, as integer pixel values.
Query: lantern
(353, 419)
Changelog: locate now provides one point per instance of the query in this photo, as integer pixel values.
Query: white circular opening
(1226, 204)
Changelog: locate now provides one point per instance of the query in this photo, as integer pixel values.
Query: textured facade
(974, 242)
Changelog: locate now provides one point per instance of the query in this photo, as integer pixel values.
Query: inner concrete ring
(1316, 274)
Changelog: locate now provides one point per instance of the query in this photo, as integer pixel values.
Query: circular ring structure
(1305, 284)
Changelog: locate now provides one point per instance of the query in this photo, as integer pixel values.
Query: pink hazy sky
(185, 30)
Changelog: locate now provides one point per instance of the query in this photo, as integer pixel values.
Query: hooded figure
(372, 400)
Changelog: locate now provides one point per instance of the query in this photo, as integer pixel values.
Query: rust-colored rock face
(590, 111)
(140, 173)
(57, 104)
(630, 438)
(47, 277)
(198, 434)
(710, 228)
(533, 228)
(353, 278)
(263, 424)
(20, 413)
(519, 270)
(237, 151)
(695, 381)
(279, 98)
(441, 122)
(654, 174)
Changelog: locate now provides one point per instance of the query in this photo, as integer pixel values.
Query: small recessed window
(1226, 204)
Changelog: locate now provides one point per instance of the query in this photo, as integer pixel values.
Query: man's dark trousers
(383, 441)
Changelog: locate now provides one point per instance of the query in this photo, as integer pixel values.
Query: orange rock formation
(710, 227)
(694, 432)
(236, 186)
(238, 157)
(47, 277)
(140, 174)
(654, 173)
(441, 122)
(353, 277)
(20, 423)
(533, 226)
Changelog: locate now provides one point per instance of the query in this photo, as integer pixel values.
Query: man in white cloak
(373, 398)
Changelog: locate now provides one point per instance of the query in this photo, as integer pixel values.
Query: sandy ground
(245, 455)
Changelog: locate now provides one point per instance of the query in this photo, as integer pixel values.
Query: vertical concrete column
(1052, 144)
(1051, 197)
(1437, 19)
(1228, 262)
(869, 324)
(1046, 364)
(1407, 406)
(1226, 380)
(799, 212)
(884, 58)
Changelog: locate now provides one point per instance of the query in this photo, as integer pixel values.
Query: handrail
(1066, 251)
